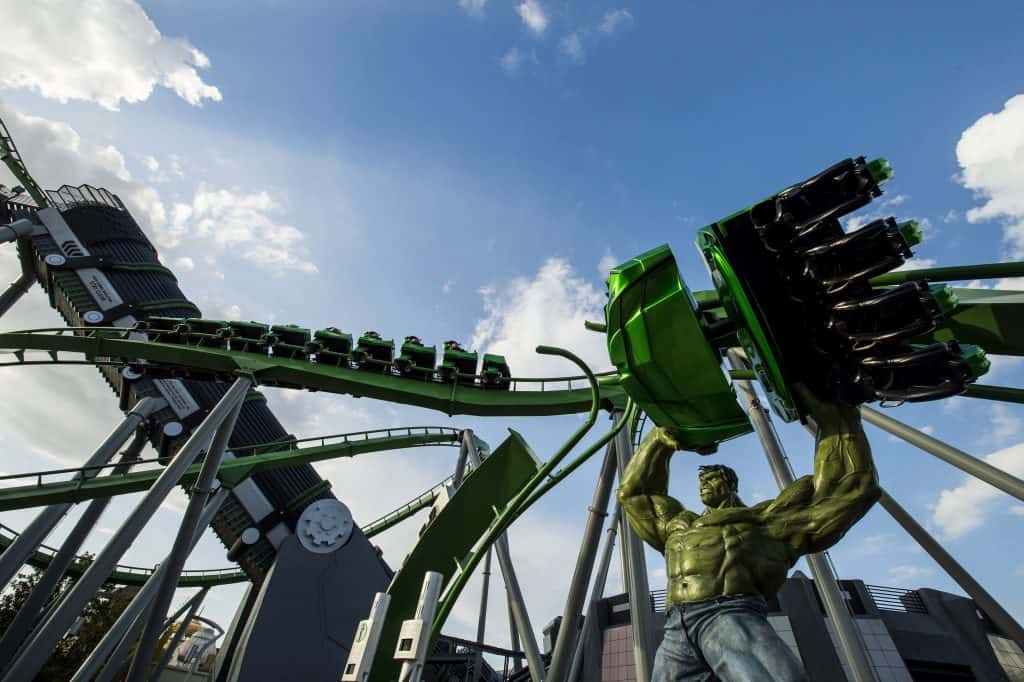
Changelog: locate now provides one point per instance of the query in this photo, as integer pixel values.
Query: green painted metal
(660, 347)
(1004, 394)
(953, 273)
(128, 575)
(992, 319)
(754, 337)
(10, 156)
(450, 535)
(231, 472)
(451, 398)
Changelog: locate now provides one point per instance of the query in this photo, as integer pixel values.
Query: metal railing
(67, 197)
(896, 599)
(247, 450)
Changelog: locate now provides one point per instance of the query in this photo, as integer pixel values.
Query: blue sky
(467, 170)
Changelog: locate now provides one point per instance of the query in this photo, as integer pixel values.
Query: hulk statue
(723, 562)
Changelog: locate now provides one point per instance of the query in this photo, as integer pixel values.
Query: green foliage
(98, 617)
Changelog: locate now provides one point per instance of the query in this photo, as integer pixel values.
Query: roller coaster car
(163, 329)
(495, 373)
(373, 353)
(416, 359)
(248, 336)
(797, 287)
(288, 341)
(659, 343)
(203, 332)
(332, 346)
(457, 362)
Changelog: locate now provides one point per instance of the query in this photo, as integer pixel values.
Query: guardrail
(896, 599)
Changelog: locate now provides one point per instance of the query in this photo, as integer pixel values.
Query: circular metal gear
(324, 526)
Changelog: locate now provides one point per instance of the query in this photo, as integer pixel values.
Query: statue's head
(719, 486)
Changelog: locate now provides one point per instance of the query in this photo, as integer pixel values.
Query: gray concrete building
(921, 635)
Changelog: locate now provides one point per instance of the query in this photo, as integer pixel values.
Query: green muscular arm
(815, 511)
(643, 493)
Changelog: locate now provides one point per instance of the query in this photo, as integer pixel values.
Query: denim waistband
(710, 601)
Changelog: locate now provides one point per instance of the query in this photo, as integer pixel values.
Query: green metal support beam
(992, 319)
(1001, 393)
(128, 575)
(230, 473)
(955, 273)
(556, 395)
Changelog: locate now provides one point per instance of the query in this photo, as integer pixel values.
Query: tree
(98, 616)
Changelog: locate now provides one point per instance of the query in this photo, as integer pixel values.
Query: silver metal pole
(15, 291)
(120, 658)
(19, 551)
(961, 460)
(517, 661)
(986, 601)
(568, 631)
(850, 643)
(33, 610)
(131, 619)
(596, 593)
(182, 547)
(508, 573)
(481, 626)
(634, 574)
(460, 465)
(179, 634)
(31, 660)
(16, 230)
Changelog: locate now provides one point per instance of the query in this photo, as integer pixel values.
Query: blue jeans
(725, 638)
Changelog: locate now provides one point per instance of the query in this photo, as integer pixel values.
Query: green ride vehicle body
(659, 343)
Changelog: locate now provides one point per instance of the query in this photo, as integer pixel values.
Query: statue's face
(714, 489)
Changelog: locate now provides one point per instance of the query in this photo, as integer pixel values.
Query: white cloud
(1005, 426)
(512, 61)
(105, 51)
(473, 7)
(533, 15)
(616, 20)
(239, 222)
(447, 287)
(151, 164)
(909, 573)
(952, 215)
(608, 261)
(572, 47)
(964, 508)
(549, 308)
(894, 200)
(185, 263)
(1017, 510)
(916, 263)
(56, 155)
(991, 155)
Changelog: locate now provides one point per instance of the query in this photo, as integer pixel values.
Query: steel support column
(568, 631)
(596, 593)
(986, 601)
(516, 602)
(130, 621)
(634, 574)
(33, 609)
(850, 643)
(194, 603)
(19, 551)
(34, 655)
(182, 547)
(481, 626)
(961, 460)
